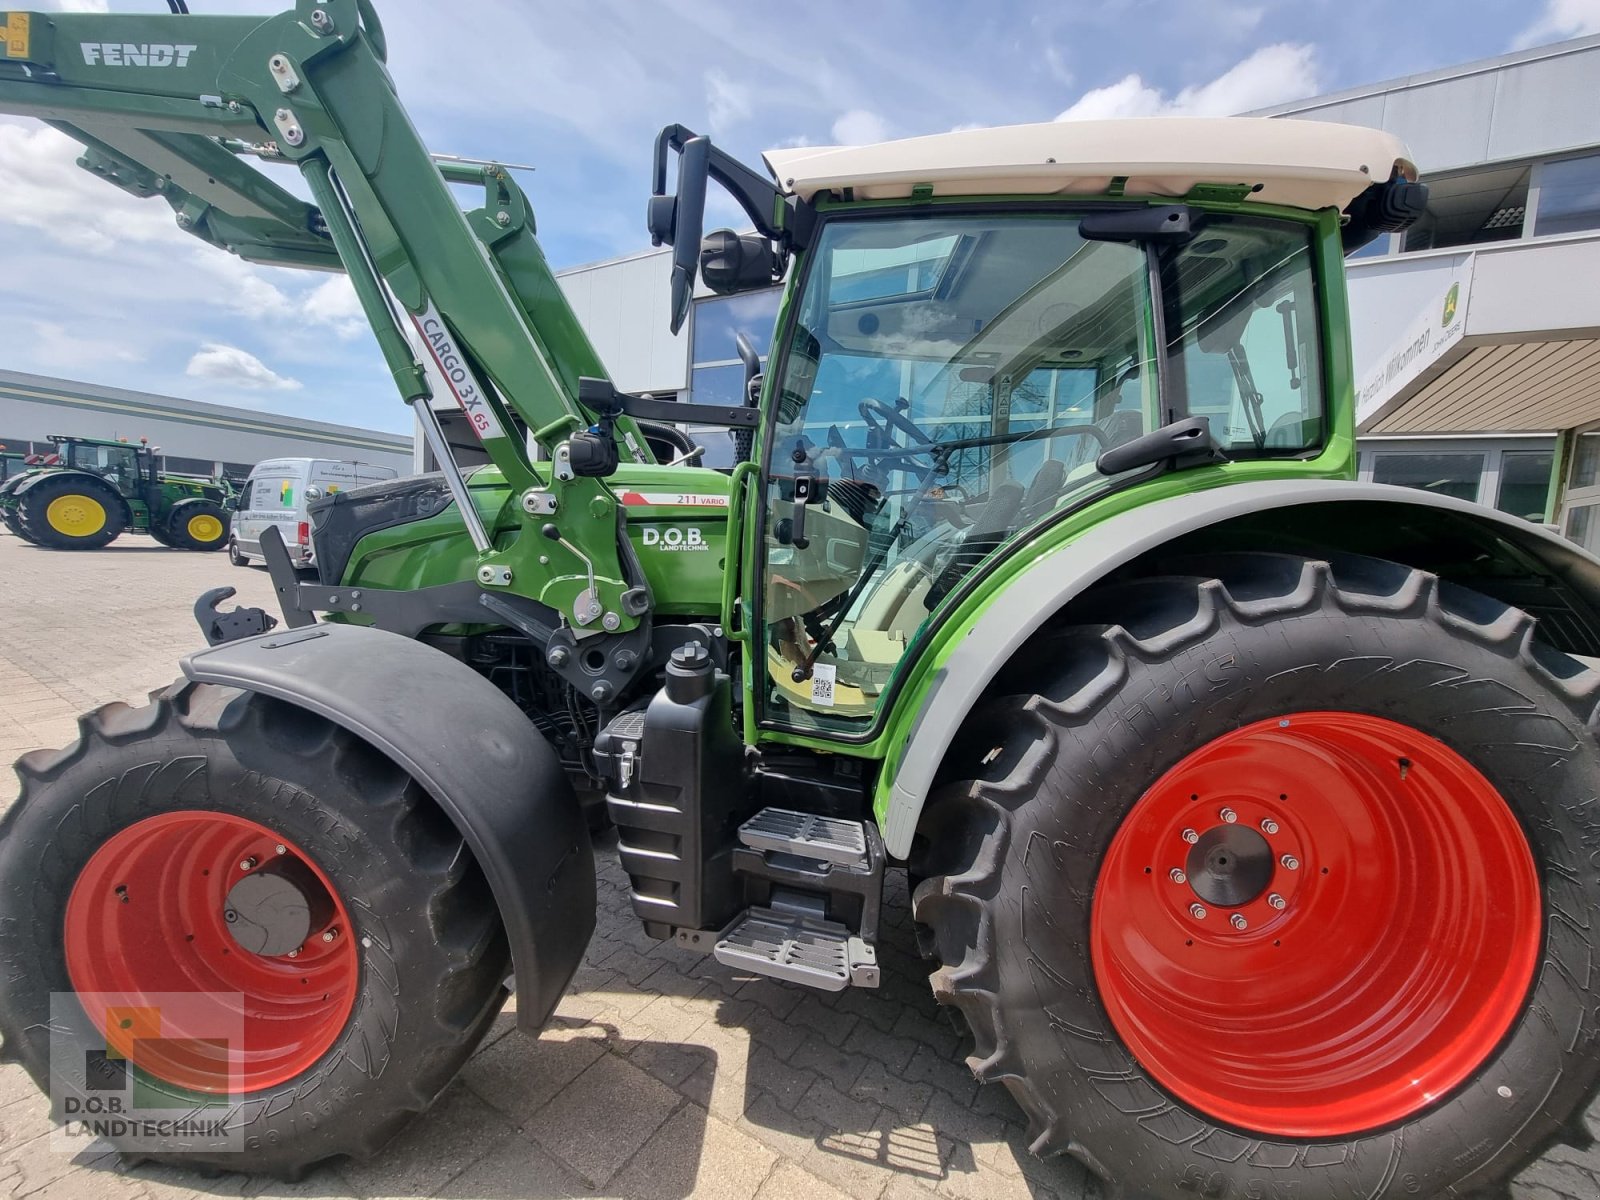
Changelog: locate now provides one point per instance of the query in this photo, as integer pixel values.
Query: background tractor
(1248, 808)
(96, 489)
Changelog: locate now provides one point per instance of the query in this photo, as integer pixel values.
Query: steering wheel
(878, 435)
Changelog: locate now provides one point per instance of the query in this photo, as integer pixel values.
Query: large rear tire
(72, 512)
(120, 871)
(1272, 881)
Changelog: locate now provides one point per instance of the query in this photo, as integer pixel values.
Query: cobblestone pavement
(662, 1074)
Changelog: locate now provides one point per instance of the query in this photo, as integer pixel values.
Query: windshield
(949, 381)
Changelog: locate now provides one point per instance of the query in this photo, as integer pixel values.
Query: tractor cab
(128, 467)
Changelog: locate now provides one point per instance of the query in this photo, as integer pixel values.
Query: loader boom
(175, 106)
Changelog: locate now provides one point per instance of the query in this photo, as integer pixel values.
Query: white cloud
(727, 102)
(54, 347)
(1561, 19)
(1271, 75)
(860, 127)
(233, 367)
(334, 303)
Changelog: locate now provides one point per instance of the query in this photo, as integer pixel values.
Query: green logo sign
(1450, 298)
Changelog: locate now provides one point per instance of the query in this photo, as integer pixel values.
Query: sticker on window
(822, 677)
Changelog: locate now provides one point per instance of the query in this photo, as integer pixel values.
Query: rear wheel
(13, 522)
(237, 557)
(1273, 882)
(221, 845)
(72, 512)
(198, 525)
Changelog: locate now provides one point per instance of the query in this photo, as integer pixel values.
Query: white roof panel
(1302, 164)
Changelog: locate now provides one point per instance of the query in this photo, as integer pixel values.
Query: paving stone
(785, 1083)
(894, 1052)
(519, 1074)
(842, 1067)
(602, 1117)
(832, 1025)
(460, 1129)
(789, 1181)
(904, 1097)
(828, 1106)
(696, 1154)
(515, 1167)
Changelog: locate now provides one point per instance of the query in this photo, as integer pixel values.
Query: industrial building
(194, 437)
(1475, 332)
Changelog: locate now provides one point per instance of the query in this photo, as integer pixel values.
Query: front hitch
(219, 626)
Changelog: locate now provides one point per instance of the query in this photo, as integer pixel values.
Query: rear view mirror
(678, 219)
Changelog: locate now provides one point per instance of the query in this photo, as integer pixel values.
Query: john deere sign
(1440, 324)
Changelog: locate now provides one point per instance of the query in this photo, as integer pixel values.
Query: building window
(1569, 196)
(1472, 207)
(1525, 483)
(717, 374)
(1451, 474)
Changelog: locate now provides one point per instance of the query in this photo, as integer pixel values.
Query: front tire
(198, 525)
(1421, 746)
(235, 556)
(120, 841)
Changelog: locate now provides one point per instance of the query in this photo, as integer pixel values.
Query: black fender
(1465, 543)
(477, 755)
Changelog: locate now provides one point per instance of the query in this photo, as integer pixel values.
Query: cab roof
(1301, 164)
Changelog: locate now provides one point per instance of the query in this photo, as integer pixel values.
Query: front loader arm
(173, 105)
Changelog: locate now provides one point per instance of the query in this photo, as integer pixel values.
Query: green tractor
(92, 490)
(1249, 810)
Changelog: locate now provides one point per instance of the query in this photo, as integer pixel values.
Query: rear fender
(477, 755)
(1504, 556)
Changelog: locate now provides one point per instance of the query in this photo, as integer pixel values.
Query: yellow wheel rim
(203, 527)
(76, 515)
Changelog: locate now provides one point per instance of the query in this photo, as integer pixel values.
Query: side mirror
(688, 211)
(737, 262)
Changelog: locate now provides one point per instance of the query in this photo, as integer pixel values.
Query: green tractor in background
(1249, 810)
(95, 489)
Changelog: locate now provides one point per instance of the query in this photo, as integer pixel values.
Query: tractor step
(808, 835)
(803, 950)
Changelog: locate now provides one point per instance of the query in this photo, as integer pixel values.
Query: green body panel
(677, 519)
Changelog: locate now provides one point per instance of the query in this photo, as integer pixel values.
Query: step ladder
(807, 860)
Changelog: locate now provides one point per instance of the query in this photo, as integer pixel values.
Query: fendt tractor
(92, 490)
(1249, 811)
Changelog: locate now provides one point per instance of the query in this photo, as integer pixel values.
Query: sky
(98, 286)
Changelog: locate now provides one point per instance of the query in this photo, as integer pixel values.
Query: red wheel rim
(1361, 972)
(146, 916)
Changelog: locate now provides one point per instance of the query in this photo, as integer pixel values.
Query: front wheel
(1271, 881)
(292, 915)
(235, 555)
(198, 525)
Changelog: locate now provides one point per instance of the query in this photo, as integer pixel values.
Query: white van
(277, 493)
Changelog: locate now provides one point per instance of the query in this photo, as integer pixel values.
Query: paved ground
(662, 1075)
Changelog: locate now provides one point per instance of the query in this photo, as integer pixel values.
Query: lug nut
(1197, 911)
(280, 848)
(1238, 921)
(1269, 826)
(1229, 815)
(1290, 862)
(293, 954)
(1190, 836)
(330, 934)
(1277, 901)
(248, 864)
(1177, 876)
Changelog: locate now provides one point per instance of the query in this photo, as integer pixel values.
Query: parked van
(277, 493)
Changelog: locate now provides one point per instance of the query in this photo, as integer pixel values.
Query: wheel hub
(273, 911)
(1316, 925)
(1230, 865)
